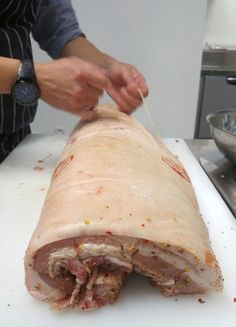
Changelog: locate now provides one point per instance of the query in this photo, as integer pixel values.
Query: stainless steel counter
(218, 72)
(221, 172)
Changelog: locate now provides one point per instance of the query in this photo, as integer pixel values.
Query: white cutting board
(22, 191)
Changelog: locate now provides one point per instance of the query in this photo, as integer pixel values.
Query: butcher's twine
(149, 116)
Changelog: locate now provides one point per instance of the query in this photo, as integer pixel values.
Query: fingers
(120, 101)
(138, 81)
(124, 86)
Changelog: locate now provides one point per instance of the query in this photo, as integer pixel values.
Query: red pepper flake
(201, 301)
(234, 299)
(99, 190)
(142, 225)
(108, 232)
(135, 252)
(209, 258)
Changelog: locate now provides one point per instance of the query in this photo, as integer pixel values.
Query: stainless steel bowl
(223, 130)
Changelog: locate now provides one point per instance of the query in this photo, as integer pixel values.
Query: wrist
(108, 61)
(9, 69)
(41, 76)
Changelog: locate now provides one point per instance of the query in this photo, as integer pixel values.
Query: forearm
(82, 48)
(8, 73)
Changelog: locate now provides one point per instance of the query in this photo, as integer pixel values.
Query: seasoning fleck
(38, 168)
(86, 221)
(130, 247)
(148, 220)
(201, 301)
(234, 299)
(108, 232)
(81, 247)
(142, 225)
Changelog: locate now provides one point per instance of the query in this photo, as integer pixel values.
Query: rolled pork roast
(118, 202)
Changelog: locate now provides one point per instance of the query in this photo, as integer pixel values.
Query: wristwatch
(25, 91)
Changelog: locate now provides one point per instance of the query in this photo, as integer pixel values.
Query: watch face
(25, 93)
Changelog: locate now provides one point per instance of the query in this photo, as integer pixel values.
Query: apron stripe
(8, 41)
(17, 19)
(13, 13)
(33, 10)
(4, 10)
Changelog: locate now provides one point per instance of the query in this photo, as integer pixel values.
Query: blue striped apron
(16, 20)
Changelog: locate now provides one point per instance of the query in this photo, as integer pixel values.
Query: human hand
(123, 85)
(71, 84)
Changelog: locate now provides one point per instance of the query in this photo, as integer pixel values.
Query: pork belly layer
(87, 272)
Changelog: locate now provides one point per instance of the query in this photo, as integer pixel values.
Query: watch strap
(26, 71)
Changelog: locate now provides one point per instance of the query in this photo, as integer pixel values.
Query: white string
(149, 116)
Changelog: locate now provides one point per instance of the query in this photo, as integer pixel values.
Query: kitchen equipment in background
(223, 130)
(217, 87)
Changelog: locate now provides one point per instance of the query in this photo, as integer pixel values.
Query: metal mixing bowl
(223, 130)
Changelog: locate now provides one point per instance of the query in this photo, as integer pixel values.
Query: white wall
(221, 23)
(163, 38)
